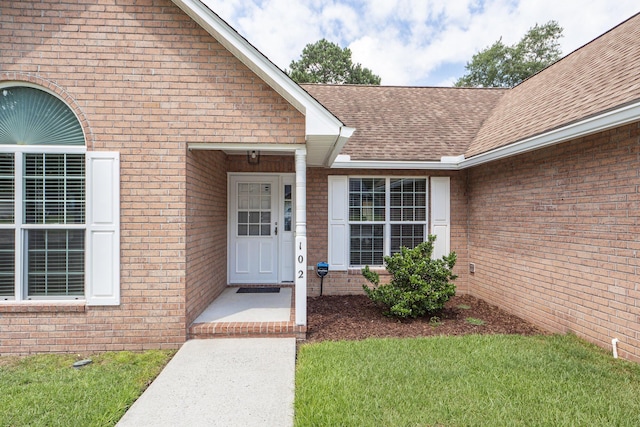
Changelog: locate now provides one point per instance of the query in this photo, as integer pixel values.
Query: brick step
(247, 330)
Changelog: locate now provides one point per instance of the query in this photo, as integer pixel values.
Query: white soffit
(319, 121)
(316, 151)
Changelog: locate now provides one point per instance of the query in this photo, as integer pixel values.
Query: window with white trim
(384, 215)
(42, 197)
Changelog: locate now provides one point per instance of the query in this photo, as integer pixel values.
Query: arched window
(42, 197)
(30, 116)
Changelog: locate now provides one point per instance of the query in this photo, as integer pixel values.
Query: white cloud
(412, 42)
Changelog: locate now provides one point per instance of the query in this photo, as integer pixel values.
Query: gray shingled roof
(600, 76)
(407, 123)
(426, 123)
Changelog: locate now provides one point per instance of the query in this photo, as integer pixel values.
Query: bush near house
(420, 285)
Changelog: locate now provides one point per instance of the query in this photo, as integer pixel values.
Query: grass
(45, 390)
(473, 380)
(474, 321)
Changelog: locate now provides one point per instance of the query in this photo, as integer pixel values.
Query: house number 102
(300, 261)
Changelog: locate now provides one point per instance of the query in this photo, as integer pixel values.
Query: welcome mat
(266, 290)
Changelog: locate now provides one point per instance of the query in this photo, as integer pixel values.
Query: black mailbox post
(322, 269)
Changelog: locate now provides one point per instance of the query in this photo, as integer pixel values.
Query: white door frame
(284, 239)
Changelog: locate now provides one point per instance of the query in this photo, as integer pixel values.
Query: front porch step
(261, 323)
(247, 330)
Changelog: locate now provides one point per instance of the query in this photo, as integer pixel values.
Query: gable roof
(407, 123)
(325, 133)
(598, 78)
(595, 88)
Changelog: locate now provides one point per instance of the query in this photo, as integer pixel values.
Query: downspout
(335, 147)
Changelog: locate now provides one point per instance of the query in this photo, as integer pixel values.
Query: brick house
(150, 157)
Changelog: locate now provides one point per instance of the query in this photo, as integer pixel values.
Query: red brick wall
(317, 228)
(554, 237)
(145, 81)
(206, 254)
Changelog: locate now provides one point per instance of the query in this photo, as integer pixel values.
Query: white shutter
(441, 215)
(338, 223)
(103, 229)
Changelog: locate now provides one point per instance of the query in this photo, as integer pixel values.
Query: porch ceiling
(321, 149)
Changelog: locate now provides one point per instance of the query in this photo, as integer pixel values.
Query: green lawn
(477, 380)
(46, 390)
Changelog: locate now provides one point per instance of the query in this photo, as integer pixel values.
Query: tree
(506, 66)
(326, 62)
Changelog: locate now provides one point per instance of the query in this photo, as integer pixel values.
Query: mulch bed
(355, 317)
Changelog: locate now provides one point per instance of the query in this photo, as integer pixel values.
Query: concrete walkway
(221, 382)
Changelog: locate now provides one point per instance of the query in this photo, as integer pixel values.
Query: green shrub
(420, 285)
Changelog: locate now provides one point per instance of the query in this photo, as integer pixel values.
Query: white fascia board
(319, 121)
(599, 123)
(452, 159)
(345, 162)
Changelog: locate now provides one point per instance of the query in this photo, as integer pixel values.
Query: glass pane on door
(254, 209)
(288, 205)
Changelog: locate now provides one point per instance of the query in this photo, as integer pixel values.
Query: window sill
(358, 271)
(42, 306)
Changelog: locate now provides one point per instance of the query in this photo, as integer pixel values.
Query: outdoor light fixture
(253, 157)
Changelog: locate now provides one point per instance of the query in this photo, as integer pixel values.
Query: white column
(301, 238)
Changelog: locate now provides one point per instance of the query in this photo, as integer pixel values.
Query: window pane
(367, 244)
(7, 263)
(407, 235)
(7, 188)
(30, 116)
(55, 263)
(408, 200)
(366, 199)
(288, 215)
(288, 205)
(254, 203)
(254, 209)
(54, 188)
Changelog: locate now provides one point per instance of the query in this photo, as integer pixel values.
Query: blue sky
(413, 42)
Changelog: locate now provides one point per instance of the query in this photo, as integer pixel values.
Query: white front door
(260, 229)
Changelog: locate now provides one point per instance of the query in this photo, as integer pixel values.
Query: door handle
(276, 229)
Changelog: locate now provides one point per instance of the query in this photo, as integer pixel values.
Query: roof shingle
(407, 123)
(600, 76)
(426, 123)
